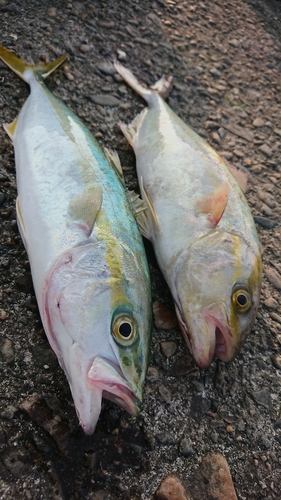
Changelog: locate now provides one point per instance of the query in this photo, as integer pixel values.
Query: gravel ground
(226, 61)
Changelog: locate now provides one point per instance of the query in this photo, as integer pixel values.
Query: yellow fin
(21, 223)
(19, 67)
(10, 127)
(84, 208)
(213, 205)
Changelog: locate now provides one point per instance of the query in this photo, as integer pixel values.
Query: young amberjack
(86, 254)
(200, 225)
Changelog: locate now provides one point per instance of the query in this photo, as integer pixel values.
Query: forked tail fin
(23, 69)
(163, 87)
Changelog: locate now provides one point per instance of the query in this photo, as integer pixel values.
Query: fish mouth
(112, 385)
(212, 336)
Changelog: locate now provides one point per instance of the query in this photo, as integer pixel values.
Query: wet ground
(226, 61)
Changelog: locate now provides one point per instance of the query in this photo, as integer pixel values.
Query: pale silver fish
(86, 253)
(200, 225)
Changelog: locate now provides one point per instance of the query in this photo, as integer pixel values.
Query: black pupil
(125, 330)
(242, 300)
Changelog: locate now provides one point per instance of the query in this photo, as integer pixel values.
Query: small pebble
(3, 314)
(52, 12)
(273, 277)
(164, 317)
(171, 488)
(270, 303)
(258, 122)
(168, 348)
(266, 150)
(84, 48)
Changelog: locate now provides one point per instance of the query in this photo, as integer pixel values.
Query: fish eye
(241, 300)
(124, 329)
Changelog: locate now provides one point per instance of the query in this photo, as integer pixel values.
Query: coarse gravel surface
(225, 57)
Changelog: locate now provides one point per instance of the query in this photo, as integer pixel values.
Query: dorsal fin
(139, 209)
(84, 208)
(114, 160)
(213, 205)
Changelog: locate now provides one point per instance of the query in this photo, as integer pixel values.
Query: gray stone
(273, 277)
(266, 150)
(106, 67)
(263, 398)
(265, 223)
(105, 100)
(185, 447)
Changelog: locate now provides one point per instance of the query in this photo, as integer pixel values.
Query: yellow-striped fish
(86, 253)
(200, 225)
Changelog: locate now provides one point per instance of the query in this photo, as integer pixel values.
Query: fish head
(217, 289)
(97, 315)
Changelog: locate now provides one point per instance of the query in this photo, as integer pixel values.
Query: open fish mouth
(210, 337)
(113, 386)
(216, 318)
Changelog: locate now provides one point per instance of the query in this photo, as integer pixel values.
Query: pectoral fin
(213, 205)
(21, 223)
(241, 176)
(10, 127)
(84, 208)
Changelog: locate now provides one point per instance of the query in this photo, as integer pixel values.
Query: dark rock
(199, 406)
(2, 199)
(263, 398)
(24, 282)
(165, 393)
(265, 223)
(166, 438)
(185, 447)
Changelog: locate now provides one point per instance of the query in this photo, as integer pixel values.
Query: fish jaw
(103, 380)
(105, 377)
(201, 339)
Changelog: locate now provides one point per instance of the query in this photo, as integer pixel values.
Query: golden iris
(124, 329)
(241, 300)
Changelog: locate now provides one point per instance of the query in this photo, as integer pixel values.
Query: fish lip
(223, 335)
(202, 361)
(219, 333)
(106, 376)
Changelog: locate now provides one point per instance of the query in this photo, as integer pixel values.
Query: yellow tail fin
(20, 67)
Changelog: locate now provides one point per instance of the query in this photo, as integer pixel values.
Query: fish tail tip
(22, 68)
